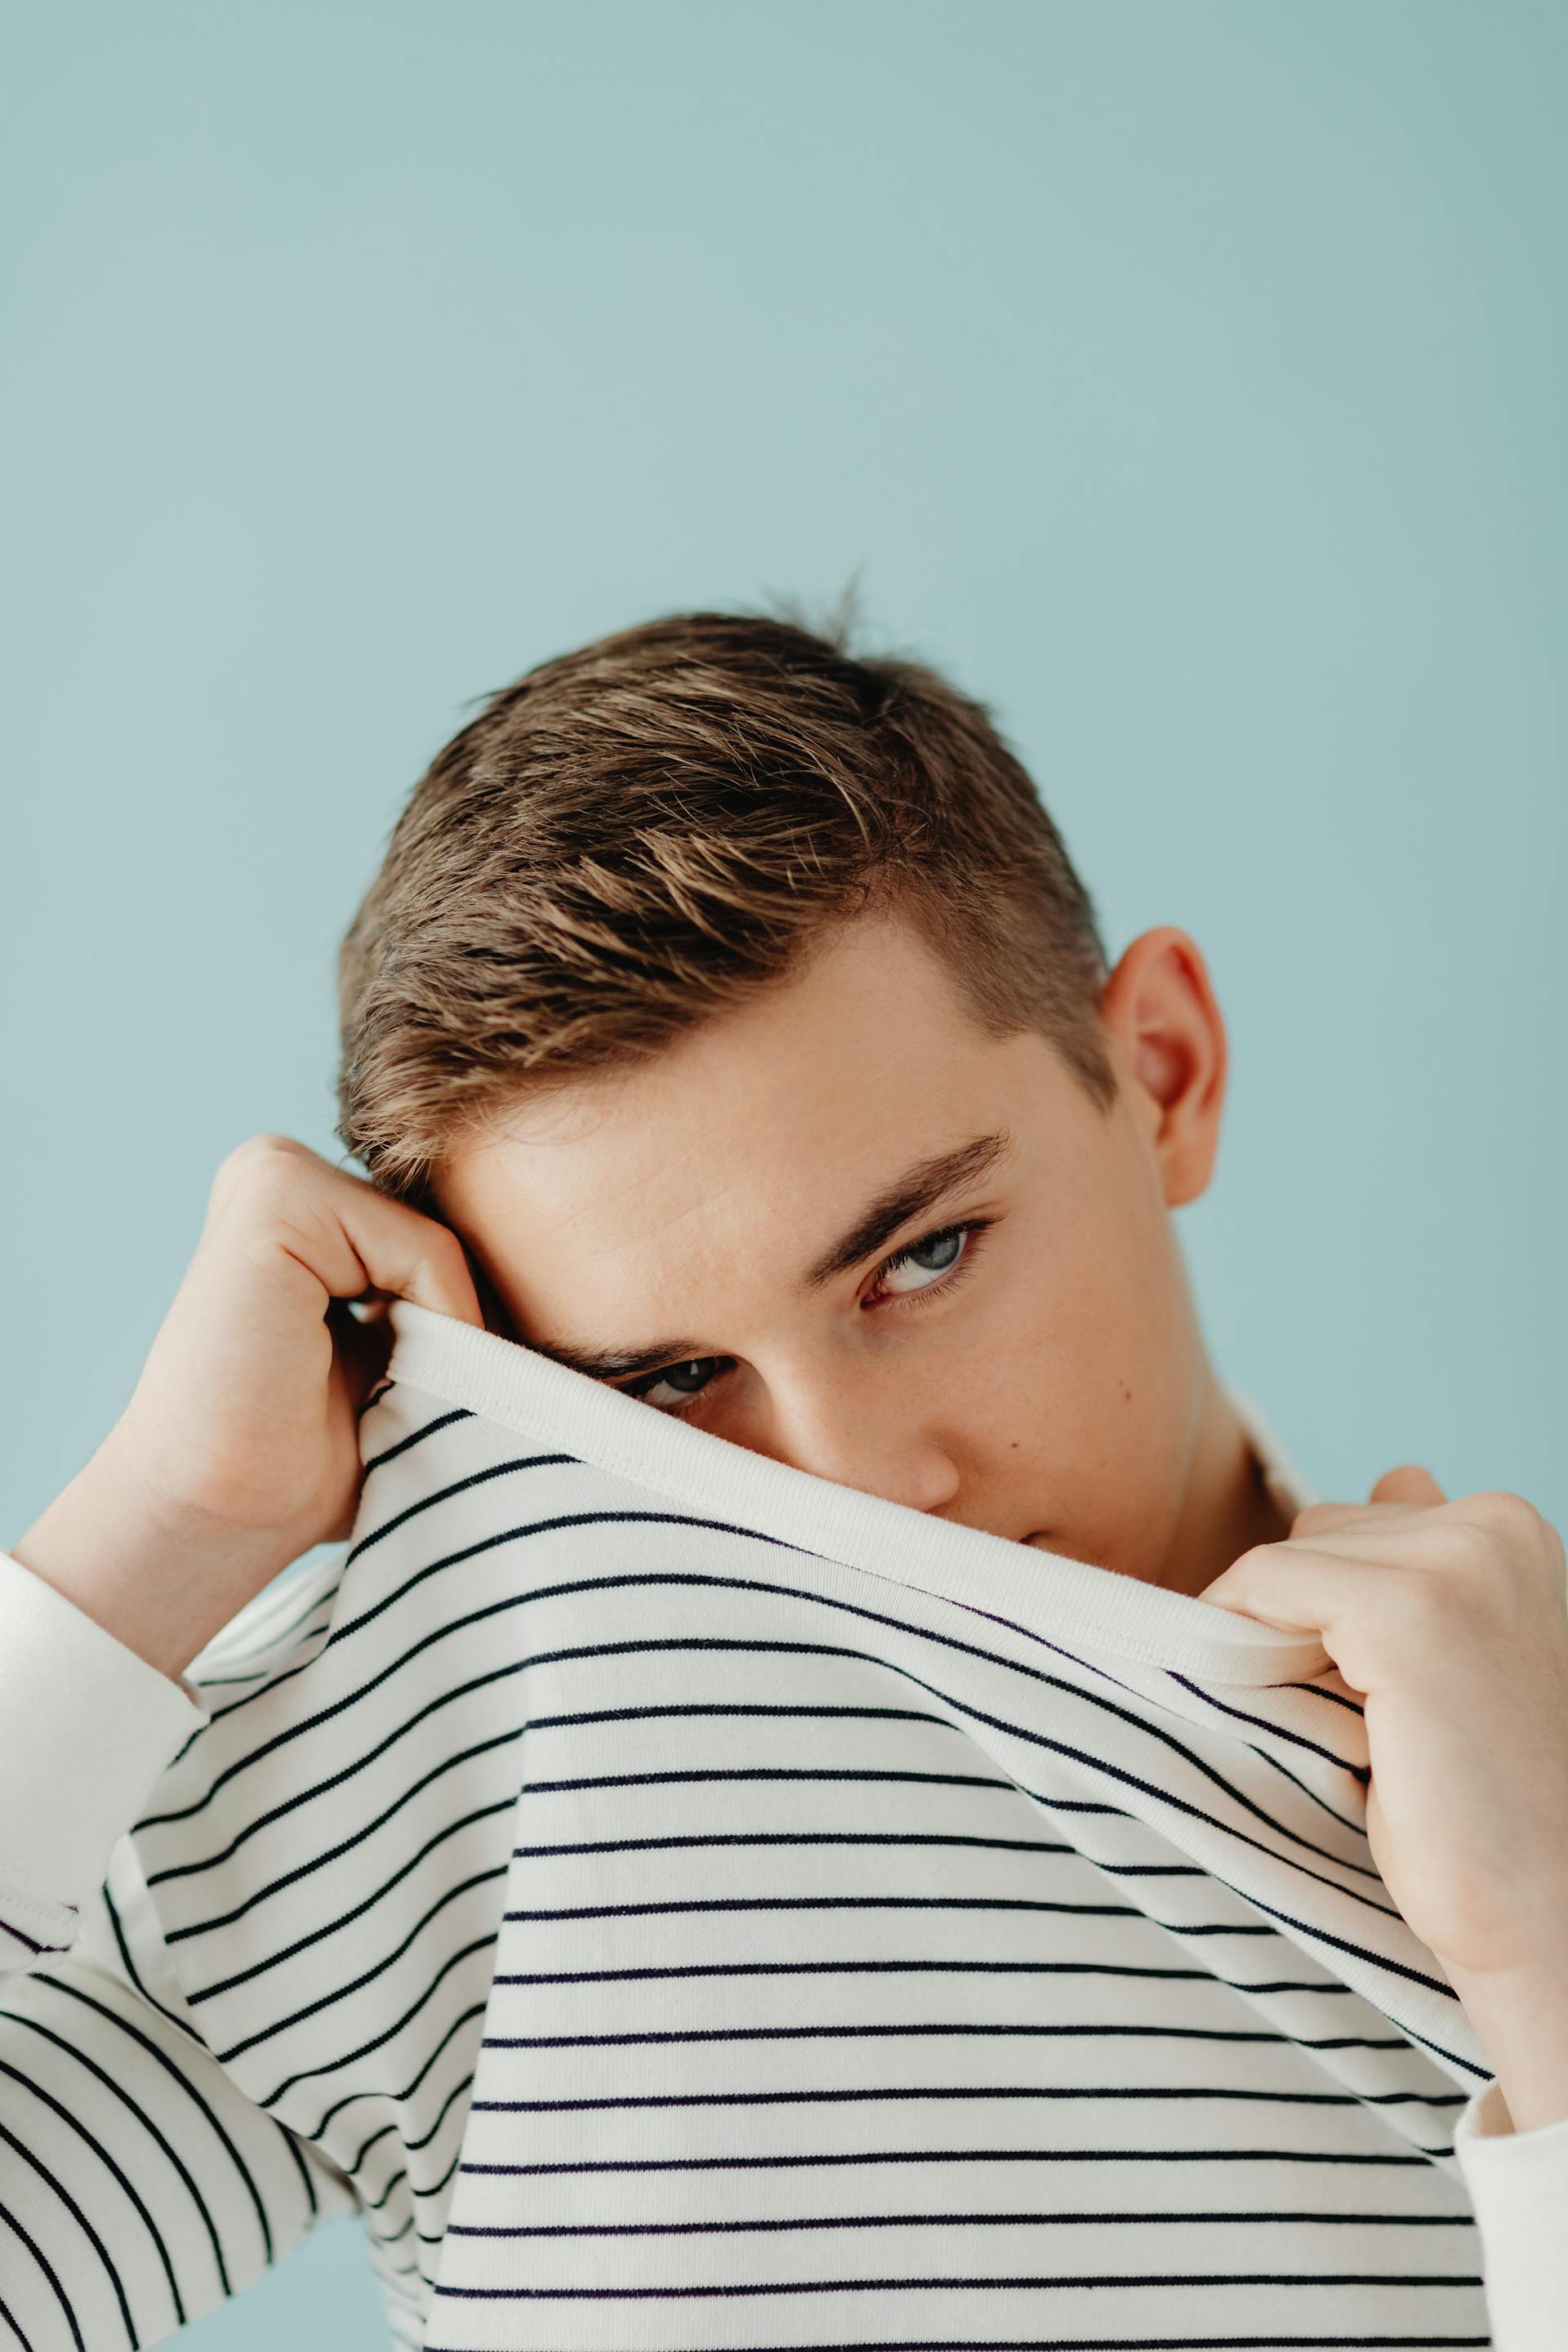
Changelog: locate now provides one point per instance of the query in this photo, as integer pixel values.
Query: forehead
(718, 1168)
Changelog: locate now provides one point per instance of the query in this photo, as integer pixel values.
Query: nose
(851, 1430)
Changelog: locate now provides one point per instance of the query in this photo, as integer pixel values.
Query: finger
(1322, 1518)
(1333, 1518)
(1291, 1585)
(401, 1253)
(1407, 1484)
(321, 1225)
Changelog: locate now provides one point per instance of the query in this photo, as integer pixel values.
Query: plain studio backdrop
(1186, 376)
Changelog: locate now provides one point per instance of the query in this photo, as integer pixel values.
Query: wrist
(160, 1580)
(1520, 2019)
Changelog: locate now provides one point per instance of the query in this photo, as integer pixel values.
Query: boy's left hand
(1449, 1620)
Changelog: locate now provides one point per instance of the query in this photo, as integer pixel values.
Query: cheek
(1088, 1397)
(1094, 1317)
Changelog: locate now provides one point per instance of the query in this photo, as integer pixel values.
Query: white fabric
(69, 1683)
(680, 1902)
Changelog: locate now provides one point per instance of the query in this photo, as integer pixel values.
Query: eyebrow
(919, 1188)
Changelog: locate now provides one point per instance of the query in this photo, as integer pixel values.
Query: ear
(1166, 1033)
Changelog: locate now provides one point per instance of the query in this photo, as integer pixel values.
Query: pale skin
(1021, 1353)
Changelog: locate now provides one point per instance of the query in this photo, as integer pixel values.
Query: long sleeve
(139, 2186)
(1518, 2183)
(86, 1727)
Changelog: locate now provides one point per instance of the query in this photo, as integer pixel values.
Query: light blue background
(1188, 378)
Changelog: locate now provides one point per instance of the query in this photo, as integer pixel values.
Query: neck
(1226, 1507)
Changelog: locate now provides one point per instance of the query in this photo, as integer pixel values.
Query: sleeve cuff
(87, 1725)
(1518, 2184)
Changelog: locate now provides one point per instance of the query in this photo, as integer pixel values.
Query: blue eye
(925, 1261)
(934, 1264)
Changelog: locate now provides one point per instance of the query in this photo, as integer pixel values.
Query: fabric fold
(856, 1848)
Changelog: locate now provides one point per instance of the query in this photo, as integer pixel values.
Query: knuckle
(258, 1155)
(268, 1180)
(443, 1249)
(1522, 1536)
(1505, 1514)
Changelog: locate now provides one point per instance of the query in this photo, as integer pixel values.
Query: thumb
(1407, 1484)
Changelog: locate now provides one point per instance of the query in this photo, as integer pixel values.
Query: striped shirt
(676, 1901)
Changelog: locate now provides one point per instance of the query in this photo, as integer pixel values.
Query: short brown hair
(649, 831)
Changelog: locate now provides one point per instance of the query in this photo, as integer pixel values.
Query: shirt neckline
(501, 1380)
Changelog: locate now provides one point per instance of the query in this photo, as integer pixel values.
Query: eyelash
(973, 1227)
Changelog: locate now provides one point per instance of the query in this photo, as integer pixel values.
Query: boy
(727, 1023)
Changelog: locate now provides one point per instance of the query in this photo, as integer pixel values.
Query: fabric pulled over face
(889, 1935)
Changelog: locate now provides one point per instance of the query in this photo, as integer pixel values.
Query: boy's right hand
(239, 1449)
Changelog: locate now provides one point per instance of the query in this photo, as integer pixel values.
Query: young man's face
(737, 1232)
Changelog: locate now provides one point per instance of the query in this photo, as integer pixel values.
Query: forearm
(162, 1588)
